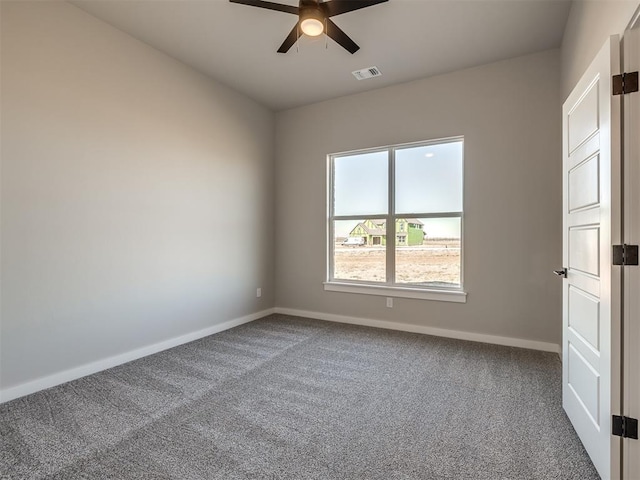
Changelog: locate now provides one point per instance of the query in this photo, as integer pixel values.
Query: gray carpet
(292, 398)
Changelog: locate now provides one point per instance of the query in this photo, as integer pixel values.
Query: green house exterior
(409, 231)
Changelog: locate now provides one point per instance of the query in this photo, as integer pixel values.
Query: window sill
(457, 296)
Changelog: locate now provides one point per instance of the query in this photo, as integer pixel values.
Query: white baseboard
(100, 365)
(438, 332)
(97, 366)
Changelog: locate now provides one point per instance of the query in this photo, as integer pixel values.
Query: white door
(591, 290)
(631, 368)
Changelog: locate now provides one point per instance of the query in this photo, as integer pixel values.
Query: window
(411, 195)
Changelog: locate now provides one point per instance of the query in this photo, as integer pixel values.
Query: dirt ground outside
(436, 262)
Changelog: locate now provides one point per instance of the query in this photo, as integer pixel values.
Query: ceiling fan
(313, 19)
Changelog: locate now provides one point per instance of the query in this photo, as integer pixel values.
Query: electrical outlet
(258, 292)
(389, 302)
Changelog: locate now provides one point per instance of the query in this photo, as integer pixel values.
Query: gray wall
(509, 113)
(137, 195)
(590, 23)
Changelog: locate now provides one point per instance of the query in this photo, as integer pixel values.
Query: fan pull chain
(298, 40)
(326, 37)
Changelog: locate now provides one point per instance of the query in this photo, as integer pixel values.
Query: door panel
(584, 251)
(584, 316)
(584, 382)
(584, 181)
(591, 303)
(583, 119)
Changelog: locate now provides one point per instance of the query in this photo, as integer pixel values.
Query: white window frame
(389, 288)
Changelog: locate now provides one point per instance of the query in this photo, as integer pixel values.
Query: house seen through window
(395, 216)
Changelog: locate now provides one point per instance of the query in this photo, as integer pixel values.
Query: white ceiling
(406, 39)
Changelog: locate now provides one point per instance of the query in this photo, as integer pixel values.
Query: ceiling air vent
(369, 72)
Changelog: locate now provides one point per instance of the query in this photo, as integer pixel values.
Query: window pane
(361, 184)
(428, 251)
(360, 250)
(429, 178)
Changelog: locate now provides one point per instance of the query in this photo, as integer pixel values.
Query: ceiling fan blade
(341, 38)
(268, 5)
(290, 40)
(337, 7)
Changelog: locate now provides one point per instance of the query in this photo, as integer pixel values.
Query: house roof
(414, 220)
(381, 224)
(370, 231)
(376, 231)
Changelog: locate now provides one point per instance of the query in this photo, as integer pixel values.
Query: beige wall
(590, 23)
(137, 200)
(509, 114)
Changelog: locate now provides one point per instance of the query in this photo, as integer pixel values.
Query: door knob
(561, 273)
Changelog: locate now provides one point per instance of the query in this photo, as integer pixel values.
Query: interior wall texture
(509, 114)
(136, 195)
(589, 24)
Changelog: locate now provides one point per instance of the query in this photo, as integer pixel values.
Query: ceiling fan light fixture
(312, 23)
(311, 27)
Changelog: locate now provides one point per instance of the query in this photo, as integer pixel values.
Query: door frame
(630, 181)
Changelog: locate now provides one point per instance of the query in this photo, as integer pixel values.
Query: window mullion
(391, 221)
(382, 216)
(331, 249)
(430, 215)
